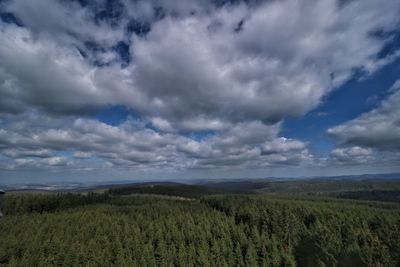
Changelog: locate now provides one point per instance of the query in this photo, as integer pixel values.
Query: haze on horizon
(121, 89)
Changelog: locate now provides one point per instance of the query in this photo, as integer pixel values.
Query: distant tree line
(182, 190)
(28, 203)
(375, 195)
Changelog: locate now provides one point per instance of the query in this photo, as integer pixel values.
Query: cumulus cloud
(133, 145)
(234, 70)
(258, 72)
(199, 66)
(283, 145)
(352, 155)
(65, 21)
(378, 128)
(50, 163)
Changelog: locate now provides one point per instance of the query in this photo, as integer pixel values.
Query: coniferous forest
(109, 229)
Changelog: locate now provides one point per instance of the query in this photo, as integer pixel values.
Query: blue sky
(347, 102)
(173, 89)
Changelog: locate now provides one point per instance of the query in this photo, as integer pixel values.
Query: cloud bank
(209, 82)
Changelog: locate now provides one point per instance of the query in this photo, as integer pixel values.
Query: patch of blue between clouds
(110, 11)
(200, 135)
(138, 27)
(347, 102)
(122, 49)
(392, 46)
(65, 154)
(10, 18)
(115, 115)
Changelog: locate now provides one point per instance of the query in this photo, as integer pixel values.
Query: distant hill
(171, 189)
(346, 186)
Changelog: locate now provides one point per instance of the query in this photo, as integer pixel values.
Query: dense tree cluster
(377, 195)
(26, 203)
(321, 232)
(170, 189)
(99, 230)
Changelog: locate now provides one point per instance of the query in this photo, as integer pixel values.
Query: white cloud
(378, 128)
(352, 155)
(43, 74)
(56, 161)
(234, 71)
(282, 145)
(64, 21)
(273, 68)
(194, 67)
(132, 145)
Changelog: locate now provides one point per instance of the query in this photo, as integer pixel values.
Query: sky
(188, 89)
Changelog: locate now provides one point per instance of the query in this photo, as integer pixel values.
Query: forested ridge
(226, 230)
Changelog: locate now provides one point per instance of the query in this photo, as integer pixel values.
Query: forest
(123, 228)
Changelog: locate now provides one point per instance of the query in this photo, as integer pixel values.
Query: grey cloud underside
(237, 69)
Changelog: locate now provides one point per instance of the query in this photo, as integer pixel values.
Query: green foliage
(27, 203)
(170, 189)
(99, 230)
(377, 195)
